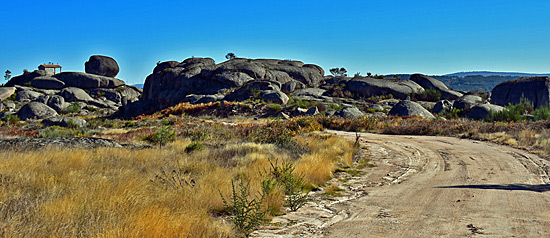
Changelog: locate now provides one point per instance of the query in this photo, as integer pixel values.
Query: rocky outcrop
(94, 93)
(267, 91)
(349, 112)
(84, 80)
(36, 110)
(483, 111)
(61, 142)
(25, 78)
(102, 65)
(75, 94)
(430, 83)
(410, 108)
(6, 92)
(466, 102)
(47, 82)
(536, 90)
(442, 106)
(27, 95)
(369, 87)
(171, 82)
(56, 102)
(65, 122)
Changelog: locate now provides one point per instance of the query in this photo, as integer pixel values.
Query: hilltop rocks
(47, 82)
(6, 92)
(442, 106)
(268, 91)
(25, 78)
(536, 90)
(36, 110)
(75, 94)
(171, 82)
(409, 108)
(466, 102)
(102, 65)
(56, 102)
(97, 93)
(482, 111)
(369, 87)
(65, 122)
(430, 83)
(349, 112)
(84, 80)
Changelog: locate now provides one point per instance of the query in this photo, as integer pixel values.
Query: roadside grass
(115, 192)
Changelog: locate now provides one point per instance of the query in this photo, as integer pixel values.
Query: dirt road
(431, 187)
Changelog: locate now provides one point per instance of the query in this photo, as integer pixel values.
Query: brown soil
(429, 187)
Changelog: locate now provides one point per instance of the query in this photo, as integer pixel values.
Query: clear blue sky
(382, 37)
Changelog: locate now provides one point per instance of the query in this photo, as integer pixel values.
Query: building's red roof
(50, 65)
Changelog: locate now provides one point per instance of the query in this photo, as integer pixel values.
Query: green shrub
(11, 119)
(74, 108)
(283, 174)
(512, 113)
(246, 212)
(91, 108)
(129, 124)
(336, 107)
(431, 95)
(194, 146)
(542, 113)
(275, 107)
(161, 136)
(57, 131)
(11, 97)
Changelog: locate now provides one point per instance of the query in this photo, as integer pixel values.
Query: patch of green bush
(275, 107)
(74, 107)
(57, 131)
(161, 136)
(12, 119)
(247, 212)
(194, 146)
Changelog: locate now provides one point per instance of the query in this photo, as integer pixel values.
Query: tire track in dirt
(430, 187)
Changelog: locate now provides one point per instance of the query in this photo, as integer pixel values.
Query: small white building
(51, 69)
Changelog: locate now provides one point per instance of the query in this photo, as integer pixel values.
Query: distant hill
(475, 80)
(490, 73)
(139, 85)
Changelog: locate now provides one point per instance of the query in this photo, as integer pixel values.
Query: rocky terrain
(293, 88)
(37, 95)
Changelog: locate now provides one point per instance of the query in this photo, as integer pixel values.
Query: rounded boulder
(102, 65)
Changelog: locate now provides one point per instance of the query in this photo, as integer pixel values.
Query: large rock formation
(6, 92)
(267, 91)
(102, 65)
(36, 110)
(48, 95)
(171, 82)
(536, 90)
(410, 108)
(368, 87)
(84, 80)
(430, 83)
(483, 111)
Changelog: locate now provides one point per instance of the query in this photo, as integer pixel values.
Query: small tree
(7, 76)
(230, 56)
(338, 72)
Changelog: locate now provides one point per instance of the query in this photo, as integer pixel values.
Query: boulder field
(298, 88)
(37, 95)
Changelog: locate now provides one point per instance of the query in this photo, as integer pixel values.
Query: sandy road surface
(432, 187)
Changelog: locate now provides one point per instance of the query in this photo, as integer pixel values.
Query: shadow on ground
(511, 187)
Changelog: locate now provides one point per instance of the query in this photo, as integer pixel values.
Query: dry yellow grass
(107, 192)
(327, 156)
